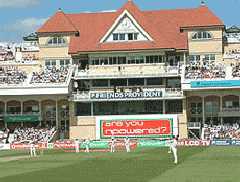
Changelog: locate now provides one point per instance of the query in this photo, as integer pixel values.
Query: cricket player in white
(113, 145)
(77, 146)
(173, 147)
(87, 143)
(127, 144)
(32, 150)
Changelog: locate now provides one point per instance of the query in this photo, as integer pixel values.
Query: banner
(227, 142)
(20, 146)
(193, 143)
(21, 118)
(4, 146)
(136, 126)
(126, 95)
(152, 143)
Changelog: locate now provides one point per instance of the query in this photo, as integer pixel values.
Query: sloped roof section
(58, 23)
(162, 25)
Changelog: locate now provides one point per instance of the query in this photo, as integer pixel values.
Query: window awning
(21, 118)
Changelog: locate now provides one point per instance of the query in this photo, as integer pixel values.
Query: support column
(91, 108)
(40, 111)
(184, 58)
(21, 107)
(164, 106)
(221, 105)
(5, 108)
(57, 114)
(5, 113)
(203, 110)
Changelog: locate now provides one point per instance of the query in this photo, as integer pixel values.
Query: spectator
(12, 75)
(204, 70)
(50, 75)
(33, 135)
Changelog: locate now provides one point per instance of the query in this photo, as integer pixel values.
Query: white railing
(194, 125)
(112, 71)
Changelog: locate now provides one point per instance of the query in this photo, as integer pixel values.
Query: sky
(21, 17)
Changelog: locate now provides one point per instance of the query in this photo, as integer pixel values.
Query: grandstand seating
(12, 75)
(27, 135)
(205, 70)
(50, 75)
(226, 131)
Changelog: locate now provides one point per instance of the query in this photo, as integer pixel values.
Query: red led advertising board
(137, 128)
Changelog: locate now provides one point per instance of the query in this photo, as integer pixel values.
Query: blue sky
(20, 17)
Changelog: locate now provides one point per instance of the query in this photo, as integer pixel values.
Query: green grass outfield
(212, 164)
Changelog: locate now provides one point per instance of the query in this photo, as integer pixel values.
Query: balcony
(194, 125)
(126, 71)
(230, 112)
(127, 93)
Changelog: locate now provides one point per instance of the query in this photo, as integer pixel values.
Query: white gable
(126, 24)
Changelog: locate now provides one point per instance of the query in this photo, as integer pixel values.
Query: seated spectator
(12, 75)
(226, 131)
(204, 70)
(27, 135)
(236, 70)
(50, 75)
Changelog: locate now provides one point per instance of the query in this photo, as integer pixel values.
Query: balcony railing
(112, 71)
(194, 125)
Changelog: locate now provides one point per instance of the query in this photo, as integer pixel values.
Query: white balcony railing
(194, 125)
(126, 71)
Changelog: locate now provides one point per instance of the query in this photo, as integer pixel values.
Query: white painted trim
(125, 12)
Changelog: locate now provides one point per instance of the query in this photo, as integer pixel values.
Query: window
(130, 36)
(64, 62)
(135, 36)
(154, 81)
(121, 36)
(210, 57)
(201, 35)
(115, 36)
(154, 59)
(194, 58)
(135, 60)
(56, 41)
(100, 83)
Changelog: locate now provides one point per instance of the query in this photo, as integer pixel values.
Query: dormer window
(56, 41)
(203, 35)
(115, 36)
(121, 36)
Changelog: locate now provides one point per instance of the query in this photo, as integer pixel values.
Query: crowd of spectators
(3, 135)
(12, 75)
(235, 70)
(6, 54)
(28, 135)
(226, 131)
(204, 70)
(232, 54)
(50, 75)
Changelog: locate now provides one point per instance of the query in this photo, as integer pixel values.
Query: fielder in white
(173, 148)
(127, 144)
(87, 143)
(113, 145)
(77, 146)
(33, 150)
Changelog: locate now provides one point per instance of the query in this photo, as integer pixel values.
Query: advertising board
(137, 126)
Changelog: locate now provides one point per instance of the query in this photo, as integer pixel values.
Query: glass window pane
(122, 36)
(115, 36)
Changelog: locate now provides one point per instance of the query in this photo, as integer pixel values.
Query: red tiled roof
(58, 23)
(162, 25)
